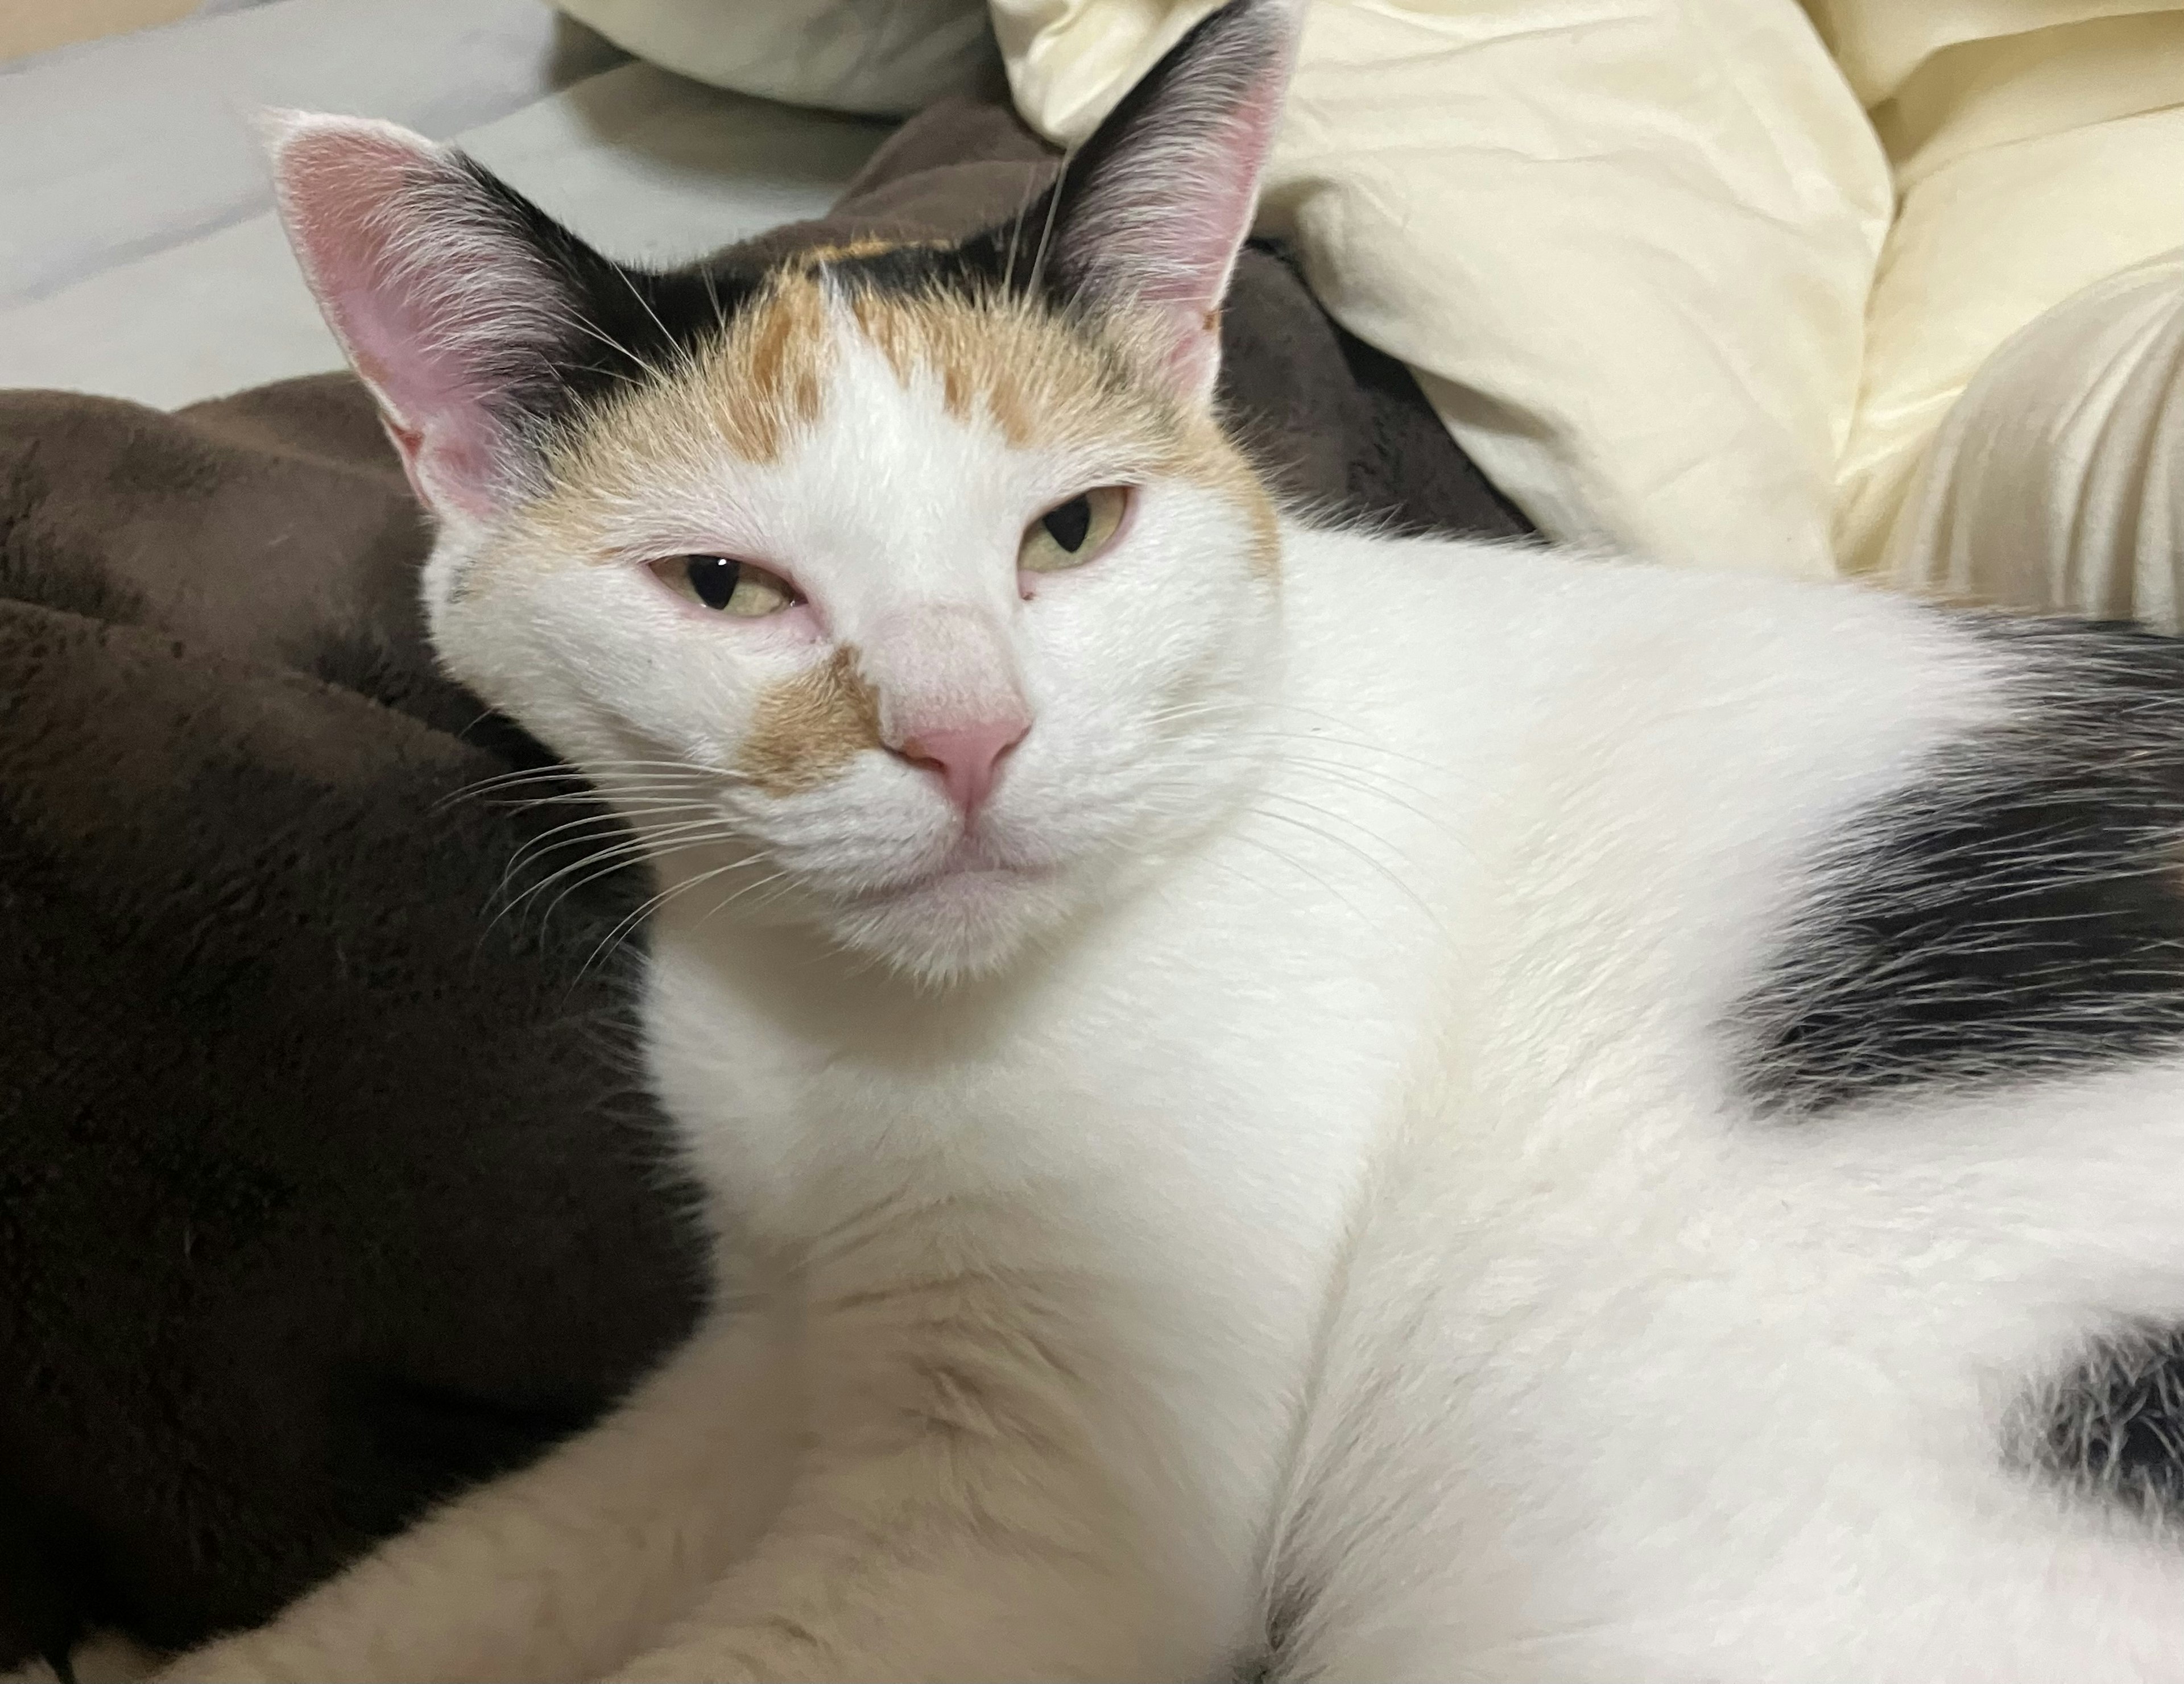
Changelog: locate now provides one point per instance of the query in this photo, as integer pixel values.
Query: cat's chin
(957, 924)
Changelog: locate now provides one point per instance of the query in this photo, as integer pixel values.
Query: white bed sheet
(139, 257)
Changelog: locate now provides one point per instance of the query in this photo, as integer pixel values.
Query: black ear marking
(624, 322)
(478, 320)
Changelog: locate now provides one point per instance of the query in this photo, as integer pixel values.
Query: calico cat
(1312, 1102)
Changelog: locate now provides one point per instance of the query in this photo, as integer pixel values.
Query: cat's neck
(811, 990)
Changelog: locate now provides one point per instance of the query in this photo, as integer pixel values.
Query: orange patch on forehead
(1042, 381)
(766, 378)
(762, 382)
(1039, 380)
(866, 245)
(1025, 372)
(808, 728)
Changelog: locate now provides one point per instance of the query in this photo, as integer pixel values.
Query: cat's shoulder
(1590, 628)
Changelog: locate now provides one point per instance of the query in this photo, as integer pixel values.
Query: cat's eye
(725, 585)
(1070, 534)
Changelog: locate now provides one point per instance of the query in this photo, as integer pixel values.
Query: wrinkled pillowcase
(2038, 151)
(2057, 478)
(1636, 255)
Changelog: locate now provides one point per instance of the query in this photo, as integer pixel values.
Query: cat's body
(1381, 1108)
(1478, 1318)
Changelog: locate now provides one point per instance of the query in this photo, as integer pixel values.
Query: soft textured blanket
(326, 1183)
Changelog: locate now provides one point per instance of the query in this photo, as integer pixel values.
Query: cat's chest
(1206, 1076)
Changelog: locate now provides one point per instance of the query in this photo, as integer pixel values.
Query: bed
(224, 722)
(1814, 287)
(139, 257)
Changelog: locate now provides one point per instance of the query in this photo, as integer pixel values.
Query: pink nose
(966, 757)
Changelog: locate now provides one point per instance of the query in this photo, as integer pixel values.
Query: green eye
(1070, 534)
(725, 585)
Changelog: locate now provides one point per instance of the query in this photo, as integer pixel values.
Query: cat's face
(912, 593)
(931, 612)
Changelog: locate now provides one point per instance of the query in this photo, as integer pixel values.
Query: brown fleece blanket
(325, 1182)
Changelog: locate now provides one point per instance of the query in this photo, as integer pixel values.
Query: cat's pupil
(1067, 524)
(713, 577)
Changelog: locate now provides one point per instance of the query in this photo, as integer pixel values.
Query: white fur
(1320, 1196)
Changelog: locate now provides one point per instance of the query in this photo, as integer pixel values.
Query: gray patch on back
(2015, 908)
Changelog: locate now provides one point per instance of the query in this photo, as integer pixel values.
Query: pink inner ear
(1202, 230)
(426, 293)
(1162, 197)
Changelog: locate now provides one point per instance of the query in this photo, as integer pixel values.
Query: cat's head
(912, 592)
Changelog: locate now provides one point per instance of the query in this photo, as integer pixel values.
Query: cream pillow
(2057, 479)
(1070, 61)
(2038, 148)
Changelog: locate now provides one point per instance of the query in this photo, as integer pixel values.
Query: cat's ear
(1153, 208)
(454, 299)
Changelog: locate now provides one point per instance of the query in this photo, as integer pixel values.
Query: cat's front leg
(566, 1569)
(979, 1501)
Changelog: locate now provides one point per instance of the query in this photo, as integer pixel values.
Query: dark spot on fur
(2111, 1426)
(2018, 907)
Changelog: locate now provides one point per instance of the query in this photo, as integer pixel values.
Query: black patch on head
(623, 324)
(626, 325)
(2018, 908)
(2113, 1425)
(1325, 420)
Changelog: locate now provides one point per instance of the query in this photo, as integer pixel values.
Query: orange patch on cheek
(808, 728)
